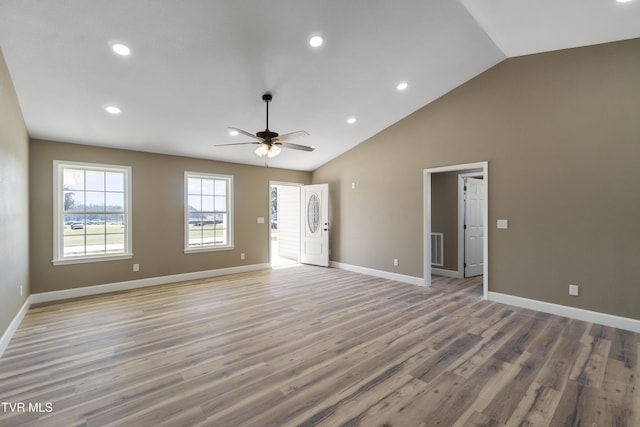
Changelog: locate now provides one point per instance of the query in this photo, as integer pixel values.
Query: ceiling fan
(271, 143)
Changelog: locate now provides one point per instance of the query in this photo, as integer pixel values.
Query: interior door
(314, 220)
(473, 227)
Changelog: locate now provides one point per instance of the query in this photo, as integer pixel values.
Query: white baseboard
(379, 273)
(141, 283)
(13, 326)
(446, 273)
(625, 323)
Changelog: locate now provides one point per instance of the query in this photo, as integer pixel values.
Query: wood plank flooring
(307, 346)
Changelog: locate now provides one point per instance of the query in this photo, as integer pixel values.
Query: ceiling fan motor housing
(267, 135)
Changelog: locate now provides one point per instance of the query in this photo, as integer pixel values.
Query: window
(92, 212)
(208, 212)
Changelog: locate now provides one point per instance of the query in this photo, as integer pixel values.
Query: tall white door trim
(427, 218)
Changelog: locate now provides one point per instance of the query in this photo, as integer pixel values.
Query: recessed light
(402, 86)
(623, 1)
(316, 41)
(234, 133)
(111, 109)
(351, 120)
(121, 49)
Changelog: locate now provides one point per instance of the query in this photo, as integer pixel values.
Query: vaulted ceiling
(197, 67)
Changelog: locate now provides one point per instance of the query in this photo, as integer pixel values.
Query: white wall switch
(136, 267)
(574, 290)
(353, 185)
(395, 262)
(242, 255)
(260, 220)
(503, 223)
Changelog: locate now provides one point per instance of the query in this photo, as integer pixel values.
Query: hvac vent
(437, 249)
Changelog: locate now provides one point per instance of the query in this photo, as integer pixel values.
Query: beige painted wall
(158, 212)
(14, 202)
(560, 131)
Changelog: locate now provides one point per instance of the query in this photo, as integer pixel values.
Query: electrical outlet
(20, 290)
(395, 262)
(242, 255)
(136, 267)
(574, 290)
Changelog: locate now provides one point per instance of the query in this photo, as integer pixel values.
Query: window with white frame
(208, 212)
(92, 212)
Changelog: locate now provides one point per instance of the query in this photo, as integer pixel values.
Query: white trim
(13, 326)
(625, 323)
(427, 219)
(230, 212)
(141, 283)
(446, 273)
(82, 260)
(58, 212)
(412, 280)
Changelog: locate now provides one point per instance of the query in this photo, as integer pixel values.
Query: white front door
(473, 227)
(314, 232)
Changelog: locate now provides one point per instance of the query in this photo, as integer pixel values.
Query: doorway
(284, 224)
(483, 215)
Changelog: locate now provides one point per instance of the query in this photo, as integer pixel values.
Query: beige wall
(158, 214)
(14, 202)
(561, 133)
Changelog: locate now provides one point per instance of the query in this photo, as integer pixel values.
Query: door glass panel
(313, 213)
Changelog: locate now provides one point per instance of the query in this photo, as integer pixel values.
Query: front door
(314, 232)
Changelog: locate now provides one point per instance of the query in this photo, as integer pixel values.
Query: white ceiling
(199, 66)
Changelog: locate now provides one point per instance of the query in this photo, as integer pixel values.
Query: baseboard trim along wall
(379, 273)
(13, 326)
(115, 287)
(141, 283)
(625, 323)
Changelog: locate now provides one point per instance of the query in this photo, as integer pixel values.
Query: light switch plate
(503, 223)
(260, 220)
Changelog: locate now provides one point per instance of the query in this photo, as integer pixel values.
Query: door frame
(461, 211)
(271, 184)
(427, 219)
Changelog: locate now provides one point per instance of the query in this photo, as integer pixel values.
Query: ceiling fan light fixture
(273, 151)
(262, 150)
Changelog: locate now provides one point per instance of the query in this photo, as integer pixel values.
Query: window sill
(84, 260)
(208, 249)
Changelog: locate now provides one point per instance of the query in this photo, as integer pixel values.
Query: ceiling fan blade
(250, 135)
(296, 146)
(238, 143)
(291, 135)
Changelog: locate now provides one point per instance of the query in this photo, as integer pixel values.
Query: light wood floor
(311, 346)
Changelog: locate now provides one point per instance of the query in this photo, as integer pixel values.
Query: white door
(473, 227)
(314, 232)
